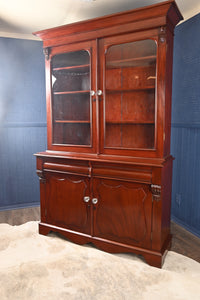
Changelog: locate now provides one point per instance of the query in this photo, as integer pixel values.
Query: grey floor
(20, 216)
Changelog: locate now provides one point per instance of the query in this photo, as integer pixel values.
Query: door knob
(99, 92)
(86, 199)
(94, 200)
(92, 93)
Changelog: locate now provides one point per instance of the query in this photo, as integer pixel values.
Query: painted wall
(185, 141)
(22, 120)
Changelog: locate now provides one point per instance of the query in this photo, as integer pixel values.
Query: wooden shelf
(140, 88)
(131, 62)
(79, 67)
(130, 122)
(72, 121)
(71, 92)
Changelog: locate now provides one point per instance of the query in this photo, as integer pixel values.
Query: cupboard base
(153, 258)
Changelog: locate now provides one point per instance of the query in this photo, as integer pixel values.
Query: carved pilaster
(41, 176)
(156, 192)
(46, 52)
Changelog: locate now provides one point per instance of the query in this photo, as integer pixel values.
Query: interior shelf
(71, 68)
(73, 121)
(139, 88)
(71, 92)
(131, 122)
(131, 62)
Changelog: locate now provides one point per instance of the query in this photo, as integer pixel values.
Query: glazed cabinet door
(128, 79)
(71, 109)
(122, 212)
(67, 202)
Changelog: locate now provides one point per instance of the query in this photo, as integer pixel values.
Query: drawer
(127, 173)
(67, 168)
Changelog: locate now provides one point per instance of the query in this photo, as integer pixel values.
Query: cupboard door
(128, 72)
(73, 109)
(123, 212)
(67, 202)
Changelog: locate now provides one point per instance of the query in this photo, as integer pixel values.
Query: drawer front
(127, 173)
(83, 170)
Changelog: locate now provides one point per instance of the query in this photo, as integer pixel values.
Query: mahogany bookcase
(106, 175)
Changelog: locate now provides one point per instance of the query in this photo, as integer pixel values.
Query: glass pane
(130, 95)
(71, 98)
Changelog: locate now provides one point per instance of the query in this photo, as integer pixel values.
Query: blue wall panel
(186, 73)
(185, 139)
(186, 177)
(22, 77)
(19, 186)
(22, 121)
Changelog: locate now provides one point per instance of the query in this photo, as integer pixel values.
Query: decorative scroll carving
(41, 176)
(46, 52)
(156, 191)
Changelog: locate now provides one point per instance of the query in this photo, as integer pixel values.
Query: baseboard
(19, 206)
(185, 226)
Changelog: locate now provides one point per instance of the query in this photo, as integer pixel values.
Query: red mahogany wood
(128, 203)
(72, 212)
(114, 188)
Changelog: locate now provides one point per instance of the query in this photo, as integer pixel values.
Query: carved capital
(46, 52)
(41, 176)
(156, 192)
(162, 29)
(162, 35)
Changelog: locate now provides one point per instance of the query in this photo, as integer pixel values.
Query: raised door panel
(65, 205)
(123, 212)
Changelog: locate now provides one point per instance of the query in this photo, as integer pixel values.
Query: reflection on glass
(130, 95)
(71, 98)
